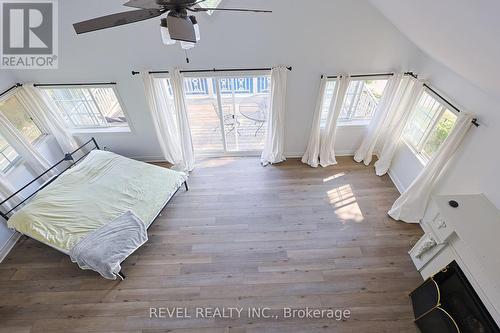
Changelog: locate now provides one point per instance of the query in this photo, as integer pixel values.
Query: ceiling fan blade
(143, 4)
(115, 20)
(230, 10)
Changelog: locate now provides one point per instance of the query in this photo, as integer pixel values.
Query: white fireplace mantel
(469, 234)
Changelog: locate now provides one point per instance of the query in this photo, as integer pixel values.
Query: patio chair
(230, 120)
(255, 108)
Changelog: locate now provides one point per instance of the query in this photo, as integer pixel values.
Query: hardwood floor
(243, 236)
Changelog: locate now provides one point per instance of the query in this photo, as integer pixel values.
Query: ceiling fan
(177, 26)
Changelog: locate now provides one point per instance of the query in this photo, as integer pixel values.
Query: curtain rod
(73, 84)
(359, 75)
(11, 88)
(474, 121)
(212, 70)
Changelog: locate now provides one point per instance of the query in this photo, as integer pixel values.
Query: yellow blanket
(99, 189)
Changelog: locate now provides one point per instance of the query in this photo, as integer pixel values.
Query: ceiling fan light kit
(176, 26)
(165, 34)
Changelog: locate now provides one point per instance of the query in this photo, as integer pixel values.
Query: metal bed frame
(53, 173)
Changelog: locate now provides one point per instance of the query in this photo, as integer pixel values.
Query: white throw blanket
(104, 249)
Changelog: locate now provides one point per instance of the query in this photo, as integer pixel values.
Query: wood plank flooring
(243, 236)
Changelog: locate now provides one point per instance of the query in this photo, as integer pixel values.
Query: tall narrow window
(18, 116)
(89, 106)
(429, 125)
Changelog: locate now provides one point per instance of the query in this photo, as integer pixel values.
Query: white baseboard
(337, 153)
(9, 244)
(396, 181)
(157, 159)
(294, 155)
(344, 153)
(150, 159)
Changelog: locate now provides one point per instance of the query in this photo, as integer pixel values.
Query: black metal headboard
(69, 157)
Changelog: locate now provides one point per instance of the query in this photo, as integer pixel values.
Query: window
(360, 102)
(16, 113)
(8, 156)
(327, 99)
(362, 98)
(429, 125)
(88, 107)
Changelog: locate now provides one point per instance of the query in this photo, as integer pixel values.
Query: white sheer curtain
(186, 142)
(408, 93)
(47, 115)
(274, 146)
(327, 142)
(365, 151)
(164, 118)
(410, 206)
(6, 189)
(25, 149)
(311, 156)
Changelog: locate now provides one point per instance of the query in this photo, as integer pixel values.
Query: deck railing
(367, 105)
(204, 87)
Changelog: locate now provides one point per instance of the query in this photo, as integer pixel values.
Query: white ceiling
(461, 34)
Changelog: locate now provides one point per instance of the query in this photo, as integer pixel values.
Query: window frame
(353, 122)
(127, 128)
(443, 107)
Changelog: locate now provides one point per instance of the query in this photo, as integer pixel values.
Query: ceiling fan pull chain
(187, 57)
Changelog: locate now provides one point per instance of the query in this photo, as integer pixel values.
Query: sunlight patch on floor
(333, 177)
(345, 204)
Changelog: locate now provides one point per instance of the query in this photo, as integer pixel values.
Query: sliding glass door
(203, 111)
(228, 114)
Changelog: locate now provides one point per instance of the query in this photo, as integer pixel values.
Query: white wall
(337, 36)
(459, 58)
(459, 34)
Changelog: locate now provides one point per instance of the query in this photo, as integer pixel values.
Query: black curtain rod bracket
(10, 89)
(73, 84)
(411, 74)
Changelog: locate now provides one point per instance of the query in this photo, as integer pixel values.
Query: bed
(90, 193)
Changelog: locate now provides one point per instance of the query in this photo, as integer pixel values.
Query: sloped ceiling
(463, 35)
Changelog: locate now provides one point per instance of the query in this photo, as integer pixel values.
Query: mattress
(95, 192)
